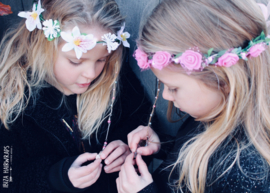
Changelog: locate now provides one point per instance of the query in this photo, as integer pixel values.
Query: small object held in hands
(142, 143)
(98, 156)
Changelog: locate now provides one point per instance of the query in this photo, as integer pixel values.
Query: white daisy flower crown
(76, 40)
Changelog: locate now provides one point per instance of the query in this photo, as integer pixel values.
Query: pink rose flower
(142, 59)
(191, 60)
(256, 50)
(228, 60)
(161, 59)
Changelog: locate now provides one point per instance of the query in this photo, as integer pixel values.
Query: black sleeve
(151, 188)
(27, 168)
(20, 170)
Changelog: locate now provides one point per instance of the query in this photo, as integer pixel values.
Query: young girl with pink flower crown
(213, 58)
(59, 107)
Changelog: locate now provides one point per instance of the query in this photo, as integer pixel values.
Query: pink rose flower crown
(193, 60)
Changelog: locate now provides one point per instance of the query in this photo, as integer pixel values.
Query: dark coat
(38, 149)
(255, 179)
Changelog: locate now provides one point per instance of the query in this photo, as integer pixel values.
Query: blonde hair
(27, 61)
(175, 26)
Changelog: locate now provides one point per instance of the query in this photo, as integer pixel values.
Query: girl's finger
(83, 158)
(143, 169)
(148, 150)
(123, 178)
(88, 169)
(115, 169)
(110, 148)
(117, 153)
(130, 172)
(130, 135)
(136, 137)
(92, 178)
(121, 174)
(115, 163)
(118, 185)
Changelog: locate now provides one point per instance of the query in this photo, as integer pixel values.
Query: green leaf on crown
(222, 52)
(50, 39)
(178, 55)
(267, 40)
(210, 52)
(214, 60)
(41, 17)
(236, 50)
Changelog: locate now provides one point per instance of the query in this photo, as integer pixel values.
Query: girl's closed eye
(74, 63)
(172, 90)
(102, 60)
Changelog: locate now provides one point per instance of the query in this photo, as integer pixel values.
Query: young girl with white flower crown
(58, 98)
(214, 60)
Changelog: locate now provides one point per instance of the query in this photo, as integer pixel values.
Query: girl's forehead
(170, 77)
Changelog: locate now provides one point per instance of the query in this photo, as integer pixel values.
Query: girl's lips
(84, 85)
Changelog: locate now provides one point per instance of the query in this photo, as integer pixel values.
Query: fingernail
(97, 156)
(139, 151)
(101, 155)
(105, 168)
(106, 162)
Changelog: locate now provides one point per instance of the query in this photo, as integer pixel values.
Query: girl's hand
(141, 133)
(114, 154)
(84, 176)
(129, 181)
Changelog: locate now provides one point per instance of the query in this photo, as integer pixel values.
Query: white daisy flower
(123, 36)
(32, 18)
(80, 43)
(51, 29)
(109, 40)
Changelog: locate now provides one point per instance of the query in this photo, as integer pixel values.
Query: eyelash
(104, 60)
(172, 90)
(74, 63)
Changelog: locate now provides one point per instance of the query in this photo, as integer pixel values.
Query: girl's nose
(89, 72)
(167, 95)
